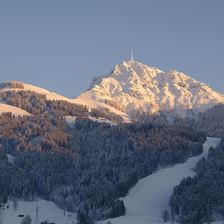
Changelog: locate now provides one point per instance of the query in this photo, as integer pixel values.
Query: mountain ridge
(133, 88)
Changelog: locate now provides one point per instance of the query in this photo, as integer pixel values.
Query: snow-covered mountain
(133, 87)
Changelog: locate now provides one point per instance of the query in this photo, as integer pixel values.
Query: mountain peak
(130, 63)
(136, 66)
(126, 70)
(133, 87)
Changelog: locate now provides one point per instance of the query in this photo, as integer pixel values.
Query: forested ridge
(212, 121)
(37, 104)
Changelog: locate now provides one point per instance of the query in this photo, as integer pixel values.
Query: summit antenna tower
(132, 55)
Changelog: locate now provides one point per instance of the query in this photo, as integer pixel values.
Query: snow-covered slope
(150, 196)
(4, 108)
(134, 87)
(20, 86)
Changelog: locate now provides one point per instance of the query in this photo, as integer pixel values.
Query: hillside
(20, 86)
(88, 165)
(37, 101)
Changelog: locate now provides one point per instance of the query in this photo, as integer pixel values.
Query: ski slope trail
(150, 196)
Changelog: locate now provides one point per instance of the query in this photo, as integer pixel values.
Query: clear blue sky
(62, 44)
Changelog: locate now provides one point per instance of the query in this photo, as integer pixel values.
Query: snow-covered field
(146, 201)
(47, 211)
